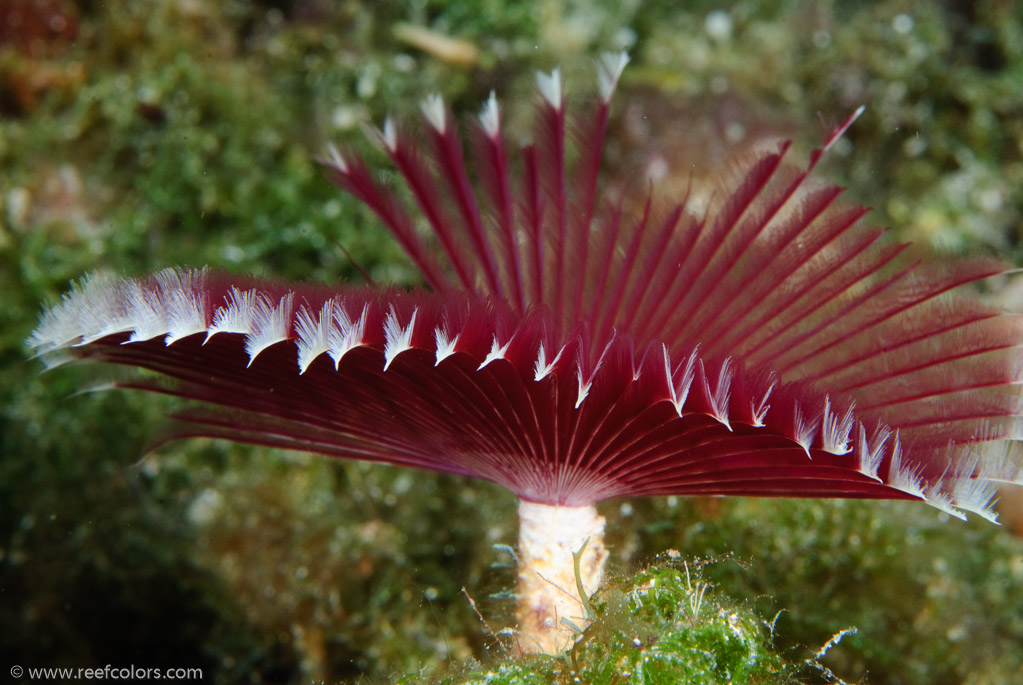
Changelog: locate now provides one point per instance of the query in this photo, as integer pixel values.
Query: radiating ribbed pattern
(768, 344)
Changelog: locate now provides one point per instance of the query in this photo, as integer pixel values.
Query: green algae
(660, 626)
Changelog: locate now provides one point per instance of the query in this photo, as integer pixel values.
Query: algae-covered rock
(159, 133)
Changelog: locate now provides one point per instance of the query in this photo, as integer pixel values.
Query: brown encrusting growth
(764, 343)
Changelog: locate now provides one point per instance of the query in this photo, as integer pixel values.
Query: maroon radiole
(575, 347)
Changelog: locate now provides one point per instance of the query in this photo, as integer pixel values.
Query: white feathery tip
(185, 302)
(759, 409)
(497, 351)
(803, 430)
(397, 339)
(345, 334)
(722, 392)
(433, 109)
(91, 310)
(235, 315)
(550, 87)
(837, 133)
(637, 363)
(543, 368)
(584, 387)
(679, 393)
(145, 311)
(586, 384)
(977, 496)
(313, 332)
(835, 429)
(943, 501)
(490, 117)
(445, 345)
(872, 452)
(389, 136)
(270, 325)
(337, 159)
(609, 69)
(904, 477)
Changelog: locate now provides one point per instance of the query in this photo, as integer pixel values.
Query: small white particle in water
(233, 253)
(821, 38)
(404, 63)
(896, 91)
(915, 146)
(402, 484)
(672, 501)
(147, 94)
(332, 209)
(656, 169)
(366, 84)
(735, 132)
(990, 199)
(842, 147)
(624, 38)
(301, 573)
(203, 509)
(347, 117)
(626, 509)
(902, 23)
(718, 25)
(19, 202)
(431, 593)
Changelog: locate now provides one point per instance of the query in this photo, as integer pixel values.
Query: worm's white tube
(547, 589)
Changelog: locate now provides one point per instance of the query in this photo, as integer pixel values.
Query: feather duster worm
(765, 343)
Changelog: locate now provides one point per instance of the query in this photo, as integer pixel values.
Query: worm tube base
(547, 588)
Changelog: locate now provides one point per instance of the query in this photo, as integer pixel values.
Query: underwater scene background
(140, 135)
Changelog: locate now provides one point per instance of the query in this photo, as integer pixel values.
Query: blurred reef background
(136, 135)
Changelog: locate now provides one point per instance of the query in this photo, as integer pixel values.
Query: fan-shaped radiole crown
(765, 345)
